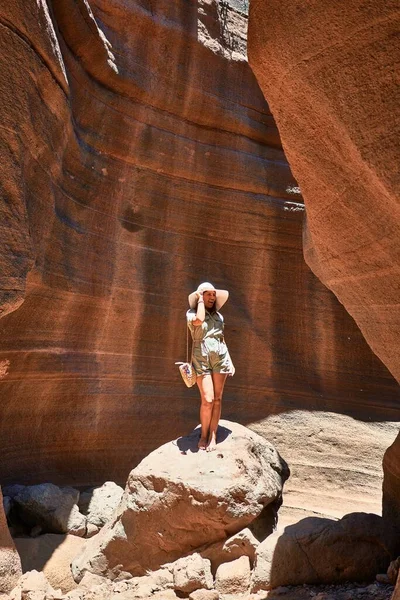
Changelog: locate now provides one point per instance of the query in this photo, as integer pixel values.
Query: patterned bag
(186, 368)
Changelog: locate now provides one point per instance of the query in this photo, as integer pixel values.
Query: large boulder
(178, 499)
(233, 577)
(99, 504)
(53, 508)
(322, 551)
(10, 562)
(192, 573)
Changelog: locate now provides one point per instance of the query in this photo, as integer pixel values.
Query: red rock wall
(330, 74)
(152, 165)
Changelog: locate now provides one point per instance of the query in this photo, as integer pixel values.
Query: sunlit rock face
(142, 160)
(329, 74)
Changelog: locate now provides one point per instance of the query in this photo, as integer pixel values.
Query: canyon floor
(349, 591)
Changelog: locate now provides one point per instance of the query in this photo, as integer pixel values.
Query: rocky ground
(190, 525)
(348, 591)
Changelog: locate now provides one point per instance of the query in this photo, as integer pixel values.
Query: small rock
(162, 579)
(191, 573)
(281, 590)
(204, 595)
(92, 530)
(77, 523)
(90, 580)
(372, 589)
(123, 577)
(382, 578)
(233, 577)
(12, 490)
(34, 586)
(243, 543)
(35, 531)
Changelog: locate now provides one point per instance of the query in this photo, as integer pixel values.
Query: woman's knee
(217, 399)
(207, 400)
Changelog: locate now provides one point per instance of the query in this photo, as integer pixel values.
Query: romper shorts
(211, 355)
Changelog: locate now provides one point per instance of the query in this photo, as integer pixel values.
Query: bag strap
(187, 345)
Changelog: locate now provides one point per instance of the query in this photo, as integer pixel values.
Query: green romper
(210, 353)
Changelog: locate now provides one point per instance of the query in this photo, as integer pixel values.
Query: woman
(210, 359)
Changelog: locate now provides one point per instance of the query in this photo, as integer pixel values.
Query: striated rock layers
(139, 159)
(329, 73)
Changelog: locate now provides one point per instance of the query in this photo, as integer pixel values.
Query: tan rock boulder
(53, 508)
(240, 544)
(233, 577)
(178, 499)
(192, 573)
(10, 562)
(204, 595)
(101, 503)
(34, 586)
(322, 551)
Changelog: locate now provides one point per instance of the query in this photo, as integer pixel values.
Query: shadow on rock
(188, 443)
(317, 550)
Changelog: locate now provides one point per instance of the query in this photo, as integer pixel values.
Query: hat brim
(221, 297)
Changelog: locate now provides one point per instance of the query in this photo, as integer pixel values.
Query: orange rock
(10, 562)
(331, 84)
(125, 189)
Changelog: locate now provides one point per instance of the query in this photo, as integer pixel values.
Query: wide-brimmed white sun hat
(221, 295)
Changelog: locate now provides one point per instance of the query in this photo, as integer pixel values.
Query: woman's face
(209, 297)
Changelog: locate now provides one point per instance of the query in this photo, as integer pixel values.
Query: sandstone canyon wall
(139, 159)
(330, 74)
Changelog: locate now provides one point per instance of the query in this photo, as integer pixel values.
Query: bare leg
(219, 382)
(206, 387)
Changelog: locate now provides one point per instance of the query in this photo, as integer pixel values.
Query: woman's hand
(199, 296)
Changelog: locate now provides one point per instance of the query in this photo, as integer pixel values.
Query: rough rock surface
(335, 463)
(233, 577)
(34, 586)
(131, 168)
(179, 498)
(346, 591)
(331, 83)
(10, 562)
(322, 551)
(54, 509)
(101, 503)
(330, 78)
(240, 544)
(192, 573)
(204, 595)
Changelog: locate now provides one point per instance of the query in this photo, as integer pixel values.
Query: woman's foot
(202, 445)
(212, 442)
